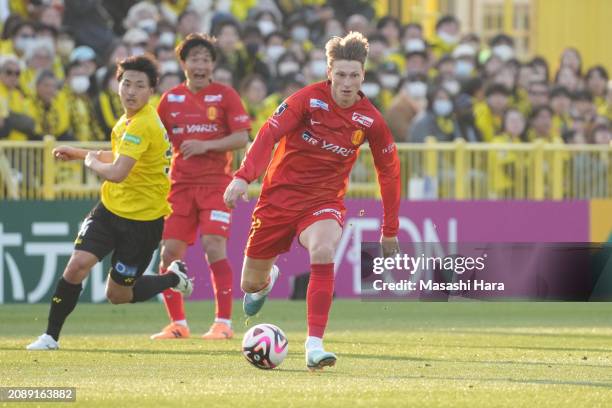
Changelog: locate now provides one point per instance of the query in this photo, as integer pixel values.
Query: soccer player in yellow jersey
(130, 217)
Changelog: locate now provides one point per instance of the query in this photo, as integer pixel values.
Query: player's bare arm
(68, 153)
(115, 172)
(236, 140)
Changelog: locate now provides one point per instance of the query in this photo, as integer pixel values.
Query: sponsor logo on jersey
(178, 130)
(357, 137)
(131, 138)
(211, 112)
(314, 122)
(174, 114)
(176, 98)
(334, 148)
(213, 98)
(202, 128)
(241, 118)
(221, 216)
(363, 119)
(309, 138)
(317, 103)
(389, 148)
(281, 108)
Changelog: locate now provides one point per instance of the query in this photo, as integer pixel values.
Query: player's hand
(92, 157)
(193, 147)
(236, 189)
(65, 153)
(390, 246)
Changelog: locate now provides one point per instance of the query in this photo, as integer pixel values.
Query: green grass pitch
(471, 354)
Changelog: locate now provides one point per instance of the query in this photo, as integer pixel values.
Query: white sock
(313, 343)
(226, 321)
(181, 322)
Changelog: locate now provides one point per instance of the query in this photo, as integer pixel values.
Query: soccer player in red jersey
(205, 121)
(319, 130)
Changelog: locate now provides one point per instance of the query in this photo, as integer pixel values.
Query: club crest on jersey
(317, 103)
(357, 137)
(309, 138)
(363, 119)
(211, 112)
(176, 98)
(213, 98)
(281, 108)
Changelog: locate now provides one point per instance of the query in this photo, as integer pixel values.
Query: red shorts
(273, 229)
(196, 206)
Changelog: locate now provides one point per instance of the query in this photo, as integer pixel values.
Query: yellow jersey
(142, 196)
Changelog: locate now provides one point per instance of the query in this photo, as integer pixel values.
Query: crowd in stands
(57, 72)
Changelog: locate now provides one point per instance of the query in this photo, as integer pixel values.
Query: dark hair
(497, 89)
(44, 74)
(445, 20)
(560, 91)
(599, 69)
(377, 37)
(224, 23)
(582, 95)
(501, 39)
(540, 61)
(196, 40)
(433, 92)
(539, 109)
(142, 63)
(386, 20)
(409, 26)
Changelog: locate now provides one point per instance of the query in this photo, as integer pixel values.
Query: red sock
(222, 280)
(319, 298)
(174, 302)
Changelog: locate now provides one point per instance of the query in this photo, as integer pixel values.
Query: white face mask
(300, 33)
(266, 27)
(414, 45)
(79, 84)
(149, 25)
(275, 51)
(452, 87)
(448, 38)
(318, 68)
(504, 52)
(288, 67)
(24, 44)
(389, 81)
(463, 68)
(416, 89)
(167, 38)
(370, 89)
(442, 107)
(169, 66)
(136, 51)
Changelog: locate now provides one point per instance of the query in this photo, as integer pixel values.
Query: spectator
(596, 80)
(502, 46)
(83, 125)
(568, 78)
(405, 106)
(540, 126)
(560, 102)
(50, 110)
(489, 114)
(108, 108)
(447, 36)
(570, 58)
(438, 121)
(16, 122)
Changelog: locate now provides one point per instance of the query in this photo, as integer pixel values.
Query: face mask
(266, 27)
(79, 84)
(288, 67)
(318, 68)
(442, 107)
(416, 89)
(448, 38)
(24, 44)
(300, 33)
(389, 81)
(414, 45)
(149, 25)
(452, 87)
(463, 68)
(371, 89)
(169, 66)
(136, 51)
(65, 47)
(167, 39)
(275, 51)
(504, 52)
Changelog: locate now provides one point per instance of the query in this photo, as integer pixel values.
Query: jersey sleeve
(285, 119)
(387, 166)
(135, 140)
(237, 117)
(162, 110)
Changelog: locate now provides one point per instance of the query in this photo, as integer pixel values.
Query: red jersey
(319, 143)
(214, 112)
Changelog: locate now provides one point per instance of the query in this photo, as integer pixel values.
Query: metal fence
(430, 171)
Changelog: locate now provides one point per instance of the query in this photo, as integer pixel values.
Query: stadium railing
(431, 170)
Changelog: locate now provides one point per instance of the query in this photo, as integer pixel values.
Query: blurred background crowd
(57, 68)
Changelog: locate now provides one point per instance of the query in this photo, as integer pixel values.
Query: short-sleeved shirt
(142, 196)
(214, 112)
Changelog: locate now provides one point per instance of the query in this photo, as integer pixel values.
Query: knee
(214, 246)
(321, 253)
(116, 298)
(76, 271)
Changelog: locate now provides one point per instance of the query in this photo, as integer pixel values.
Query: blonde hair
(352, 47)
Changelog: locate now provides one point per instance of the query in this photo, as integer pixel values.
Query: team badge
(357, 137)
(212, 113)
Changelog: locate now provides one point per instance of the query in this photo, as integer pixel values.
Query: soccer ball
(265, 346)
